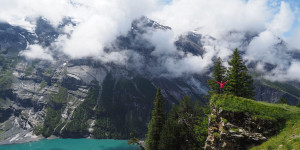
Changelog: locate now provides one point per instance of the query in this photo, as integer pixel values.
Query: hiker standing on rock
(222, 86)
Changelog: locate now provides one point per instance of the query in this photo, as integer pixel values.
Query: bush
(216, 135)
(47, 72)
(60, 98)
(28, 70)
(38, 130)
(43, 84)
(283, 101)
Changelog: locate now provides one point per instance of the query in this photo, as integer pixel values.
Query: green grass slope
(289, 117)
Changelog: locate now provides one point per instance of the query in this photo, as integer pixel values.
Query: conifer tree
(156, 123)
(135, 142)
(201, 125)
(170, 135)
(239, 82)
(185, 127)
(283, 101)
(298, 104)
(218, 75)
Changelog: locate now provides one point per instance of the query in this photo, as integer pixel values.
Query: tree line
(185, 125)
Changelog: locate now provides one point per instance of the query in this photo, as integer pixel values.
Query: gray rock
(239, 133)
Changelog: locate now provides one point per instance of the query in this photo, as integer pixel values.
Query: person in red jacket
(222, 86)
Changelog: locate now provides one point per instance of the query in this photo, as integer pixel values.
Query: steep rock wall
(237, 130)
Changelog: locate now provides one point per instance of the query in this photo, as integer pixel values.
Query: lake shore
(22, 137)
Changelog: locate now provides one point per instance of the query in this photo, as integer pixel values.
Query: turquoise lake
(71, 144)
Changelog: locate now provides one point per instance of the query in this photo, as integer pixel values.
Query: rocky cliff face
(272, 94)
(237, 130)
(26, 108)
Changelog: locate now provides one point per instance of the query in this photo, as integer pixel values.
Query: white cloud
(23, 13)
(214, 17)
(293, 41)
(268, 46)
(103, 21)
(100, 22)
(37, 52)
(178, 63)
(89, 37)
(263, 48)
(163, 41)
(291, 74)
(283, 21)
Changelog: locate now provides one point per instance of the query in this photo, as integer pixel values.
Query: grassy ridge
(260, 110)
(287, 138)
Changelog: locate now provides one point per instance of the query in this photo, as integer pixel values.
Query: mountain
(78, 98)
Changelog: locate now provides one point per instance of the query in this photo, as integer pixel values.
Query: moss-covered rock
(243, 123)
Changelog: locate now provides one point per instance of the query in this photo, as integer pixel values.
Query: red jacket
(222, 84)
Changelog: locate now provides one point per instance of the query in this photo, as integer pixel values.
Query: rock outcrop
(237, 130)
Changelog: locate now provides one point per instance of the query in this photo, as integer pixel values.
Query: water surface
(71, 144)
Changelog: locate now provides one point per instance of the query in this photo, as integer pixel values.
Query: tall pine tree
(156, 123)
(219, 74)
(239, 82)
(298, 104)
(283, 101)
(185, 127)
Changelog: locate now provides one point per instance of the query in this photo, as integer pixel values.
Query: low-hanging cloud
(230, 22)
(261, 23)
(293, 41)
(106, 21)
(37, 52)
(98, 23)
(264, 48)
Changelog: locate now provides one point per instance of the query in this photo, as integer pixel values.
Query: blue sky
(166, 1)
